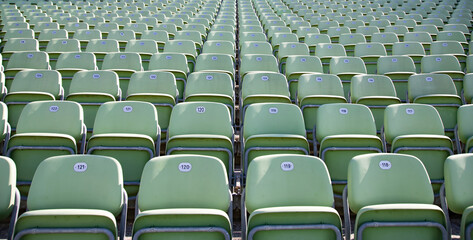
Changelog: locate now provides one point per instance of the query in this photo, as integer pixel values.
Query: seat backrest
(7, 186)
(422, 37)
(408, 48)
(405, 119)
(77, 181)
(184, 181)
(76, 60)
(98, 81)
(258, 62)
(21, 44)
(106, 27)
(370, 49)
(122, 34)
(122, 60)
(268, 118)
(156, 35)
(256, 47)
(292, 48)
(153, 82)
(440, 62)
(329, 50)
(200, 118)
(451, 35)
(219, 46)
(351, 38)
(164, 61)
(319, 84)
(37, 81)
(214, 61)
(19, 33)
(340, 65)
(314, 38)
(32, 60)
(387, 178)
(181, 46)
(457, 170)
(142, 46)
(127, 117)
(63, 45)
(367, 85)
(465, 128)
(202, 83)
(87, 34)
(299, 64)
(63, 117)
(427, 84)
(102, 45)
(49, 34)
(290, 180)
(192, 35)
(264, 83)
(344, 118)
(392, 64)
(446, 47)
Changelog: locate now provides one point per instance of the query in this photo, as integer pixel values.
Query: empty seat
(350, 40)
(398, 68)
(45, 129)
(10, 200)
(343, 131)
(422, 37)
(292, 210)
(314, 90)
(211, 87)
(374, 91)
(160, 36)
(22, 61)
(32, 85)
(446, 64)
(85, 35)
(370, 53)
(387, 202)
(176, 63)
(91, 89)
(189, 132)
(257, 62)
(312, 39)
(129, 132)
(298, 65)
(58, 46)
(415, 50)
(158, 88)
(146, 48)
(71, 210)
(457, 171)
(449, 47)
(257, 87)
(256, 47)
(262, 133)
(100, 48)
(405, 132)
(215, 62)
(439, 91)
(68, 63)
(287, 49)
(186, 47)
(345, 68)
(325, 51)
(124, 64)
(464, 131)
(18, 45)
(181, 195)
(219, 46)
(47, 35)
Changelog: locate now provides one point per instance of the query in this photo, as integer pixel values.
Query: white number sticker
(343, 111)
(394, 59)
(96, 76)
(259, 59)
(209, 77)
(38, 75)
(127, 109)
(385, 165)
(303, 59)
(428, 79)
(287, 166)
(153, 76)
(214, 58)
(200, 109)
(185, 167)
(318, 79)
(122, 56)
(80, 167)
(77, 56)
(410, 111)
(273, 110)
(265, 78)
(438, 59)
(53, 108)
(346, 60)
(371, 80)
